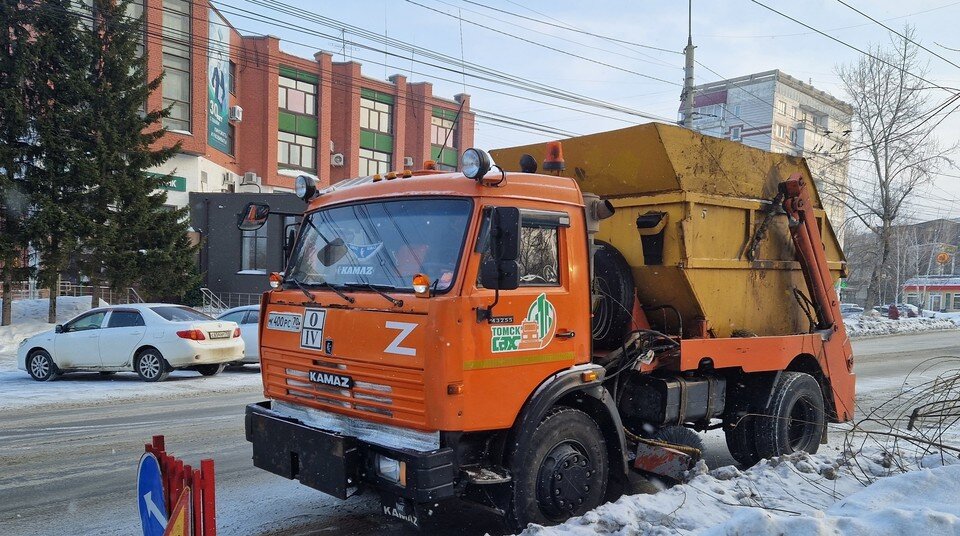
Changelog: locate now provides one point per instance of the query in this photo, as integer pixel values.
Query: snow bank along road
(71, 469)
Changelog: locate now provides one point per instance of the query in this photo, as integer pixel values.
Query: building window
(956, 302)
(294, 150)
(736, 110)
(374, 162)
(232, 83)
(176, 64)
(735, 133)
(253, 250)
(376, 115)
(443, 137)
(231, 138)
(298, 96)
(780, 131)
(782, 107)
(297, 136)
(936, 301)
(793, 135)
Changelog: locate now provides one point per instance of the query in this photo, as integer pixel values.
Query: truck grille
(380, 392)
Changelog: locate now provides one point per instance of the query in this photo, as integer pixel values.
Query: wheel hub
(566, 477)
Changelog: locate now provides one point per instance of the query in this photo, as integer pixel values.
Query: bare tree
(894, 145)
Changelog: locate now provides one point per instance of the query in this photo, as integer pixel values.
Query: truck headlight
(392, 470)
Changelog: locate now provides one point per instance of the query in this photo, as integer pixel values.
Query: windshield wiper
(306, 292)
(303, 289)
(378, 290)
(339, 292)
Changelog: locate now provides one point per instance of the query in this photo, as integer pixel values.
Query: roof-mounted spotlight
(528, 164)
(475, 163)
(305, 187)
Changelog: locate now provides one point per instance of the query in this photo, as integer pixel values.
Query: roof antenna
(687, 95)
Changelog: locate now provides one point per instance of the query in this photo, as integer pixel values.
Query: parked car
(906, 310)
(149, 339)
(248, 317)
(848, 310)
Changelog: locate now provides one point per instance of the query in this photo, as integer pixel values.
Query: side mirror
(500, 270)
(253, 217)
(58, 328)
(505, 233)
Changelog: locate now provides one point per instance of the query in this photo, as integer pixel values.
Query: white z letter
(405, 329)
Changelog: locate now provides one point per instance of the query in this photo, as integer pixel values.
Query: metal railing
(217, 302)
(28, 290)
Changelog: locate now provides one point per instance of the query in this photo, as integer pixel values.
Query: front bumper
(337, 464)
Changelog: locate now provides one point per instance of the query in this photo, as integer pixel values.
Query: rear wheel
(794, 420)
(151, 366)
(559, 471)
(740, 441)
(41, 367)
(211, 370)
(613, 282)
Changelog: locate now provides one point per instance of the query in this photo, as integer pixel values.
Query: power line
(552, 48)
(898, 33)
(577, 30)
(479, 71)
(848, 45)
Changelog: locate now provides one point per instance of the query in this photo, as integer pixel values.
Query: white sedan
(248, 317)
(150, 339)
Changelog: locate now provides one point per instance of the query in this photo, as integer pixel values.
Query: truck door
(538, 328)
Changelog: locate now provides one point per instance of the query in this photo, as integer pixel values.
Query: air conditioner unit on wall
(407, 161)
(250, 178)
(337, 160)
(236, 114)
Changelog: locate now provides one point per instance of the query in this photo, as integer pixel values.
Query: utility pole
(687, 95)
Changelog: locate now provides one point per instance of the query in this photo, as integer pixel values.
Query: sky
(549, 43)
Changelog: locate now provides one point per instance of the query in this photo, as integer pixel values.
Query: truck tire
(613, 282)
(794, 419)
(740, 441)
(559, 470)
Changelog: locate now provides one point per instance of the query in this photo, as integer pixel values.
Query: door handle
(564, 334)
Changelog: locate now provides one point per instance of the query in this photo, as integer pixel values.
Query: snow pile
(863, 326)
(30, 317)
(795, 494)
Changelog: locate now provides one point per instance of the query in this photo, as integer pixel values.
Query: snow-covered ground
(867, 326)
(19, 390)
(796, 494)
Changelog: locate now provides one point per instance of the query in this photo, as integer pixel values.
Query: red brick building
(242, 106)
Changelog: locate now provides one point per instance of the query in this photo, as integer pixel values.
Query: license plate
(400, 508)
(220, 334)
(284, 322)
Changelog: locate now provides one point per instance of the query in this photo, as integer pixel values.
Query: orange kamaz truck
(527, 340)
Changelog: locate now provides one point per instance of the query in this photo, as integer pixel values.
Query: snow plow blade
(665, 459)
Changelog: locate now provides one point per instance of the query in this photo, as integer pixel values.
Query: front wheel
(559, 471)
(41, 367)
(210, 370)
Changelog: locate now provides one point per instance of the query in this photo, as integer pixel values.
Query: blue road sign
(153, 510)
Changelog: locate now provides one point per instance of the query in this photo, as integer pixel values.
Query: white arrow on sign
(154, 510)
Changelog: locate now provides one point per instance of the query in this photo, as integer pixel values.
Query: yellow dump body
(714, 194)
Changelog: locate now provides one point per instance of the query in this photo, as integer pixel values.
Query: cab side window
(539, 247)
(539, 257)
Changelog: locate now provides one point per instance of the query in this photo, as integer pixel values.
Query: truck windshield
(382, 243)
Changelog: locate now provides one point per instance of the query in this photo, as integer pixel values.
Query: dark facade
(232, 260)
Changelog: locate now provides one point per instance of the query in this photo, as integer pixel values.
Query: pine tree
(139, 241)
(62, 185)
(16, 57)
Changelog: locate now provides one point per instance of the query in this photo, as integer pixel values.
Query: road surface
(72, 470)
